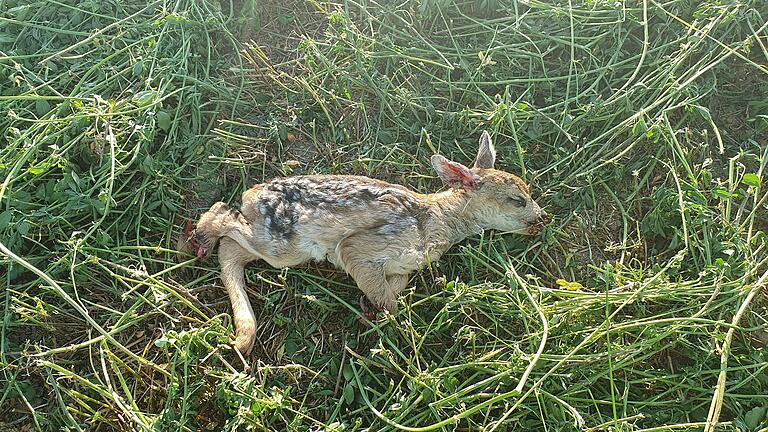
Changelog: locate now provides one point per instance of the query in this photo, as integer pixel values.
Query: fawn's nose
(544, 218)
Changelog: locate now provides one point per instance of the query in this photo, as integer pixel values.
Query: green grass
(643, 126)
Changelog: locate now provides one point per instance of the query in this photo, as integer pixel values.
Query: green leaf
(427, 394)
(347, 371)
(138, 68)
(754, 417)
(165, 341)
(703, 112)
(39, 168)
(570, 286)
(751, 179)
(349, 393)
(290, 348)
(451, 383)
(163, 120)
(722, 193)
(640, 127)
(20, 12)
(148, 164)
(144, 98)
(23, 227)
(5, 219)
(42, 107)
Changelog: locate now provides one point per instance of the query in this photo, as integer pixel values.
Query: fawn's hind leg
(233, 258)
(361, 261)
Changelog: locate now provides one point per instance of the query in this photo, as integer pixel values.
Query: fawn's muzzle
(200, 246)
(538, 225)
(544, 218)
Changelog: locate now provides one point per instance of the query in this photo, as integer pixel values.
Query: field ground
(643, 126)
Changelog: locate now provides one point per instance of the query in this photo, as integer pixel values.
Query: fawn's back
(295, 219)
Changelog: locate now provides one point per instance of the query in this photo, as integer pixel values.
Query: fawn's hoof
(244, 343)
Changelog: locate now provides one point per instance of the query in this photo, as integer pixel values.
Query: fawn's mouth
(537, 227)
(198, 246)
(202, 251)
(195, 242)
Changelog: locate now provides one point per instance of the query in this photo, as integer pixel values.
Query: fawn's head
(497, 199)
(210, 227)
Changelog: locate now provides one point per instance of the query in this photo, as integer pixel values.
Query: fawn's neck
(452, 219)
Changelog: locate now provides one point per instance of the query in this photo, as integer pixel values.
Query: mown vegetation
(643, 126)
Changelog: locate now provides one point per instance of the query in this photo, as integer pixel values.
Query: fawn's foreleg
(233, 258)
(367, 269)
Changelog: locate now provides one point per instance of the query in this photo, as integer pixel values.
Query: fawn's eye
(518, 201)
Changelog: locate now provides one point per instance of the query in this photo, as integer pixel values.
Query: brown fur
(376, 231)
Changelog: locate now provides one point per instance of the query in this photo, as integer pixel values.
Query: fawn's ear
(453, 174)
(486, 154)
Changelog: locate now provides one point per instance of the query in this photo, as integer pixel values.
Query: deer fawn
(375, 231)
